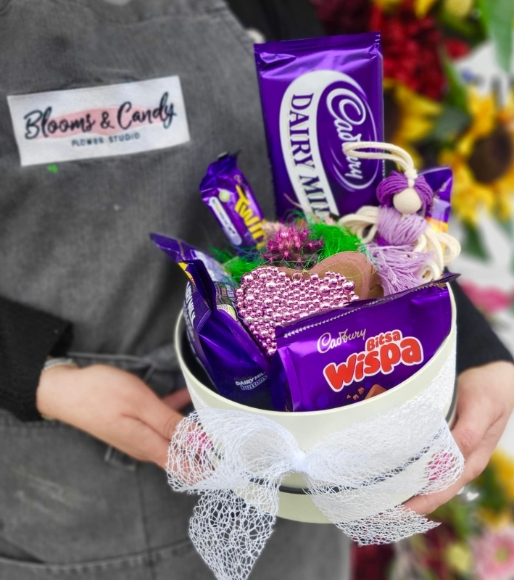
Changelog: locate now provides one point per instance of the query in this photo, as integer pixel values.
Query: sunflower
(482, 161)
(409, 117)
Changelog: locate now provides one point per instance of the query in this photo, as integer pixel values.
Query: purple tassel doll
(392, 232)
(399, 228)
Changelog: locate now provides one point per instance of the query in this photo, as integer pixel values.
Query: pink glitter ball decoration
(267, 297)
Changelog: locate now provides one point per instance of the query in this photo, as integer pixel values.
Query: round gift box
(309, 428)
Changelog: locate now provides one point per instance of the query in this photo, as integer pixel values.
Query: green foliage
(507, 226)
(471, 29)
(451, 122)
(222, 256)
(460, 515)
(335, 238)
(472, 243)
(492, 494)
(456, 96)
(238, 266)
(498, 17)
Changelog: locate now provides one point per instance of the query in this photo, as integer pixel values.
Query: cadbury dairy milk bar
(233, 361)
(228, 195)
(318, 94)
(335, 359)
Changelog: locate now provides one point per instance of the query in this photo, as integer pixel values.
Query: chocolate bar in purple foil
(318, 94)
(333, 359)
(440, 180)
(229, 196)
(229, 355)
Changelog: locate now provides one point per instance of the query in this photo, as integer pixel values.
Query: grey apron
(74, 242)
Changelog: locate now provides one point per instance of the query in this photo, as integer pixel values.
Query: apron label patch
(100, 121)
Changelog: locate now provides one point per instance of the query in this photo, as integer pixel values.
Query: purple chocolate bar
(229, 196)
(440, 180)
(316, 95)
(333, 359)
(229, 355)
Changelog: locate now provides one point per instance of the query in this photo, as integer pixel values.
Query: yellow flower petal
(483, 111)
(416, 120)
(387, 5)
(459, 8)
(424, 105)
(468, 196)
(494, 520)
(503, 466)
(423, 6)
(459, 558)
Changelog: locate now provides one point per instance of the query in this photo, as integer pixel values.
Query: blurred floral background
(449, 100)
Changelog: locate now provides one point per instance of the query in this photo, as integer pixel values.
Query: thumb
(177, 400)
(160, 417)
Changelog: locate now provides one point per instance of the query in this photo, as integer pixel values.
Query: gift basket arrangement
(319, 350)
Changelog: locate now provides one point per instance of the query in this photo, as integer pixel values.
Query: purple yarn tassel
(398, 230)
(397, 182)
(399, 267)
(393, 255)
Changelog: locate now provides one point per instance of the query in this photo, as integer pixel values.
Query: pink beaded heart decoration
(267, 297)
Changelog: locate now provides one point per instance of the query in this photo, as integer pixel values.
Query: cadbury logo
(348, 112)
(327, 342)
(381, 355)
(320, 110)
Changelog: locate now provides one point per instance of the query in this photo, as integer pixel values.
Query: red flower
(371, 562)
(456, 48)
(411, 46)
(437, 540)
(343, 16)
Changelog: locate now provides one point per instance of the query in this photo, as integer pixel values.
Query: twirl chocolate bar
(230, 198)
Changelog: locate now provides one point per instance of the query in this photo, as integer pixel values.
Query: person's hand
(114, 406)
(484, 404)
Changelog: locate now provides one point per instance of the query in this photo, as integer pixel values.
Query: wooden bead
(407, 201)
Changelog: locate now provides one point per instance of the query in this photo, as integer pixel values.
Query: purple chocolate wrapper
(316, 95)
(229, 196)
(440, 180)
(233, 361)
(333, 359)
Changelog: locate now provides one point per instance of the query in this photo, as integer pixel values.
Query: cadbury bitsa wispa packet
(229, 196)
(335, 359)
(235, 364)
(316, 95)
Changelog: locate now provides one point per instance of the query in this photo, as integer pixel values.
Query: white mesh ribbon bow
(237, 461)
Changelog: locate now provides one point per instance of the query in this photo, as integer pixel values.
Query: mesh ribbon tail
(390, 526)
(229, 533)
